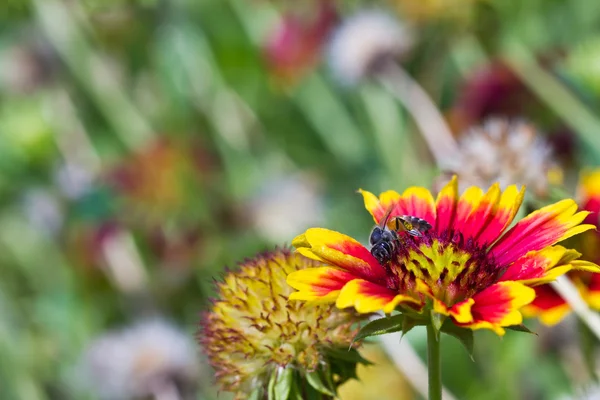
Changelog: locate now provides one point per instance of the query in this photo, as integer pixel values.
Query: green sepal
(380, 326)
(271, 385)
(296, 392)
(464, 336)
(520, 328)
(314, 380)
(437, 320)
(257, 394)
(283, 383)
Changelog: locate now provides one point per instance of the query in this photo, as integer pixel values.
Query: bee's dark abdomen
(383, 251)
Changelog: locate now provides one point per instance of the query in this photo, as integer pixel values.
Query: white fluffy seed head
(365, 41)
(507, 152)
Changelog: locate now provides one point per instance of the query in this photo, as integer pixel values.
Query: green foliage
(90, 91)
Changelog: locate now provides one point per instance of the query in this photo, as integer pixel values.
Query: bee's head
(376, 235)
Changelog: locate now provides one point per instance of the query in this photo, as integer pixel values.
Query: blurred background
(148, 145)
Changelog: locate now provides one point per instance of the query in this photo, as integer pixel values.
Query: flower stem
(425, 113)
(434, 364)
(587, 342)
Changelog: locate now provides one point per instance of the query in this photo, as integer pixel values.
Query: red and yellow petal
(542, 266)
(478, 218)
(322, 284)
(340, 251)
(493, 308)
(467, 203)
(379, 206)
(592, 291)
(368, 297)
(445, 205)
(589, 190)
(504, 213)
(416, 201)
(542, 228)
(548, 306)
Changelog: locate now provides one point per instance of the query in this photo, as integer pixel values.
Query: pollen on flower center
(454, 268)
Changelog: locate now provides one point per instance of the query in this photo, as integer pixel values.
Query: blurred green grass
(93, 84)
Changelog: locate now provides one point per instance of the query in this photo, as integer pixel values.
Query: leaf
(283, 383)
(380, 326)
(344, 370)
(271, 386)
(520, 328)
(295, 393)
(409, 323)
(256, 394)
(464, 335)
(348, 355)
(314, 379)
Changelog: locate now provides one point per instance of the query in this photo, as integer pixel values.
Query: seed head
(253, 332)
(507, 152)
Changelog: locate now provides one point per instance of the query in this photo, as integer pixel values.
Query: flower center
(454, 268)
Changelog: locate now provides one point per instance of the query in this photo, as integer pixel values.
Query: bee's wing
(424, 226)
(415, 232)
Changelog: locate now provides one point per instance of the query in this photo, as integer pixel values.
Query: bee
(414, 226)
(384, 241)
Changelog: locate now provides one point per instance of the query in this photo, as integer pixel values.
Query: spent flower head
(469, 267)
(506, 152)
(253, 335)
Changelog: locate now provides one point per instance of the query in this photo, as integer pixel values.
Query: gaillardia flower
(256, 340)
(548, 305)
(469, 266)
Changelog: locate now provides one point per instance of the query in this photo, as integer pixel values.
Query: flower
(468, 266)
(548, 305)
(506, 152)
(150, 358)
(492, 89)
(295, 46)
(364, 42)
(157, 181)
(252, 334)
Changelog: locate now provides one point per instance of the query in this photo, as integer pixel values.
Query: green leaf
(409, 323)
(296, 393)
(349, 355)
(464, 335)
(380, 326)
(271, 386)
(256, 394)
(314, 379)
(283, 383)
(520, 328)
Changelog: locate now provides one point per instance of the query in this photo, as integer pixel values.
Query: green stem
(434, 364)
(587, 342)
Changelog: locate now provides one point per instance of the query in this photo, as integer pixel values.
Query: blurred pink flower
(295, 45)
